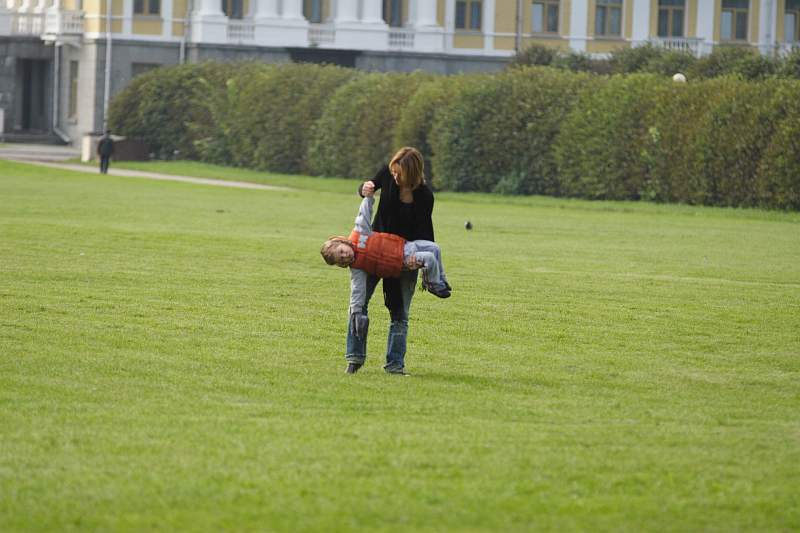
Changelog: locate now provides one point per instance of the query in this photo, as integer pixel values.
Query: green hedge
(731, 60)
(497, 132)
(355, 133)
(728, 141)
(274, 113)
(674, 124)
(159, 106)
(732, 138)
(599, 150)
(419, 115)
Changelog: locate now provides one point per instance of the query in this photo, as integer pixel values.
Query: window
(608, 18)
(73, 89)
(734, 20)
(544, 16)
(146, 7)
(791, 21)
(468, 15)
(393, 13)
(671, 14)
(312, 10)
(234, 9)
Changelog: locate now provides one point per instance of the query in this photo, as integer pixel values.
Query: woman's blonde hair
(329, 245)
(409, 166)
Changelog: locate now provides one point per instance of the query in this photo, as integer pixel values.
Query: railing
(27, 23)
(321, 34)
(240, 31)
(679, 44)
(63, 22)
(788, 48)
(401, 39)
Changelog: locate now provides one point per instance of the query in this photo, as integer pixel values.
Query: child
(383, 254)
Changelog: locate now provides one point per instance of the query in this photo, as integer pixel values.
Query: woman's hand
(368, 188)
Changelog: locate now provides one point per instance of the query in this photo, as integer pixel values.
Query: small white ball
(680, 78)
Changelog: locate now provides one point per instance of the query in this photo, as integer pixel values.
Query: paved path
(54, 157)
(37, 152)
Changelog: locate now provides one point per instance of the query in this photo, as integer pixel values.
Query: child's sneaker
(441, 292)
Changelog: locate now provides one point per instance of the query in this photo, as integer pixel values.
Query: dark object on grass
(352, 368)
(468, 225)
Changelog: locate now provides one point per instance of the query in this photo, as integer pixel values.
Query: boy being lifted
(385, 255)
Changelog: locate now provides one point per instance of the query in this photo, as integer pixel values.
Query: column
(578, 21)
(488, 25)
(641, 22)
(166, 17)
(705, 26)
(266, 9)
(274, 29)
(5, 20)
(429, 35)
(767, 26)
(209, 23)
(293, 10)
(127, 17)
(372, 12)
(369, 32)
(449, 23)
(346, 11)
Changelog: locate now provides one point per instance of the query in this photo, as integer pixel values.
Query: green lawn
(171, 357)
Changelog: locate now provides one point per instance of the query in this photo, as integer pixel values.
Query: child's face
(343, 255)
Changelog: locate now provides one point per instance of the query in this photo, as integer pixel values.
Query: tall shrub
(497, 133)
(415, 125)
(213, 134)
(778, 174)
(158, 106)
(275, 112)
(675, 123)
(732, 140)
(355, 133)
(600, 148)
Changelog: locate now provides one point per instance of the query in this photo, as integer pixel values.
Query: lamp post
(107, 92)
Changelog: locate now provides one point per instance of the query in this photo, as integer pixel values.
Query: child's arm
(364, 217)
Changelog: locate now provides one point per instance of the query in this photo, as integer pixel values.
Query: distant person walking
(105, 149)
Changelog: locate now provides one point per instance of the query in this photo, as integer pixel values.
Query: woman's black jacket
(388, 219)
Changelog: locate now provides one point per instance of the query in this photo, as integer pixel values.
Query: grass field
(171, 357)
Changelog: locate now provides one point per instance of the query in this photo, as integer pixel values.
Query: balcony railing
(27, 23)
(241, 31)
(788, 48)
(401, 39)
(63, 22)
(678, 44)
(321, 34)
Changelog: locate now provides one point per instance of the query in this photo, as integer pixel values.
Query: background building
(54, 53)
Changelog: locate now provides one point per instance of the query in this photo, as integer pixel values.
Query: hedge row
(732, 60)
(724, 141)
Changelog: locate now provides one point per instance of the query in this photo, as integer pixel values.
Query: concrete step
(31, 138)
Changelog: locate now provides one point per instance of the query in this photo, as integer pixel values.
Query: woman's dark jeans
(398, 328)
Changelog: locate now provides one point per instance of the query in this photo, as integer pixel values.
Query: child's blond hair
(329, 245)
(409, 166)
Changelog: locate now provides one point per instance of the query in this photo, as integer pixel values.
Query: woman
(405, 209)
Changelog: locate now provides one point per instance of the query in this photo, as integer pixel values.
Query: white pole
(107, 92)
(56, 84)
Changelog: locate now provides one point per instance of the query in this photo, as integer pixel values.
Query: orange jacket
(378, 253)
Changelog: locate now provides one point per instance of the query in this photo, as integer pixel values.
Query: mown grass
(171, 358)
